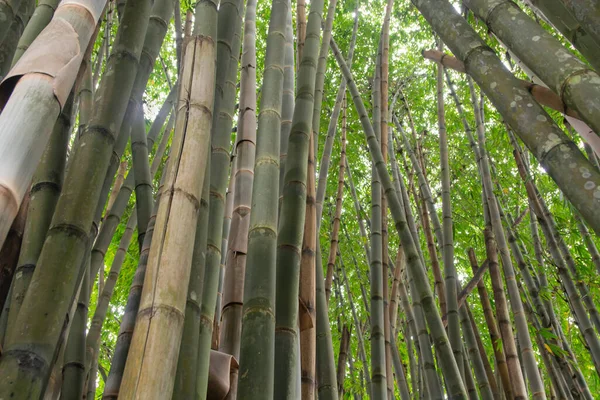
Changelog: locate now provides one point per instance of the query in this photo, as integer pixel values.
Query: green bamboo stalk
(332, 127)
(343, 359)
(451, 280)
(293, 210)
(93, 336)
(160, 16)
(33, 101)
(256, 376)
(551, 148)
(377, 275)
(243, 179)
(333, 249)
(113, 382)
(560, 18)
(564, 73)
(142, 176)
(73, 369)
(484, 358)
(288, 100)
(9, 45)
(422, 292)
(483, 384)
(589, 243)
(361, 222)
(361, 346)
(8, 11)
(114, 214)
(228, 52)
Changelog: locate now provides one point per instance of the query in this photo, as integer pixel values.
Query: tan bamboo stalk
(34, 100)
(245, 148)
(307, 292)
(338, 210)
(168, 264)
(492, 325)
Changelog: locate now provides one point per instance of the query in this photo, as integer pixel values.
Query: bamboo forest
(299, 200)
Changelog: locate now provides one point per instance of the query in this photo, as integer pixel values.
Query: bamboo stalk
(256, 376)
(161, 313)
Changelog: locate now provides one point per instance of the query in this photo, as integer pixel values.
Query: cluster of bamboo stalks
(230, 297)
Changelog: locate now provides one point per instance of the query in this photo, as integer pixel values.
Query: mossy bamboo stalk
(142, 175)
(228, 52)
(35, 91)
(300, 30)
(587, 14)
(562, 20)
(550, 148)
(292, 214)
(256, 376)
(422, 290)
(243, 178)
(564, 73)
(8, 11)
(158, 331)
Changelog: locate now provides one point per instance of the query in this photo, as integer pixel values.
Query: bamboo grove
(328, 200)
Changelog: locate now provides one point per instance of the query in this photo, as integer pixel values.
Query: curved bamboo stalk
(527, 121)
(422, 292)
(293, 210)
(256, 376)
(556, 14)
(573, 81)
(243, 179)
